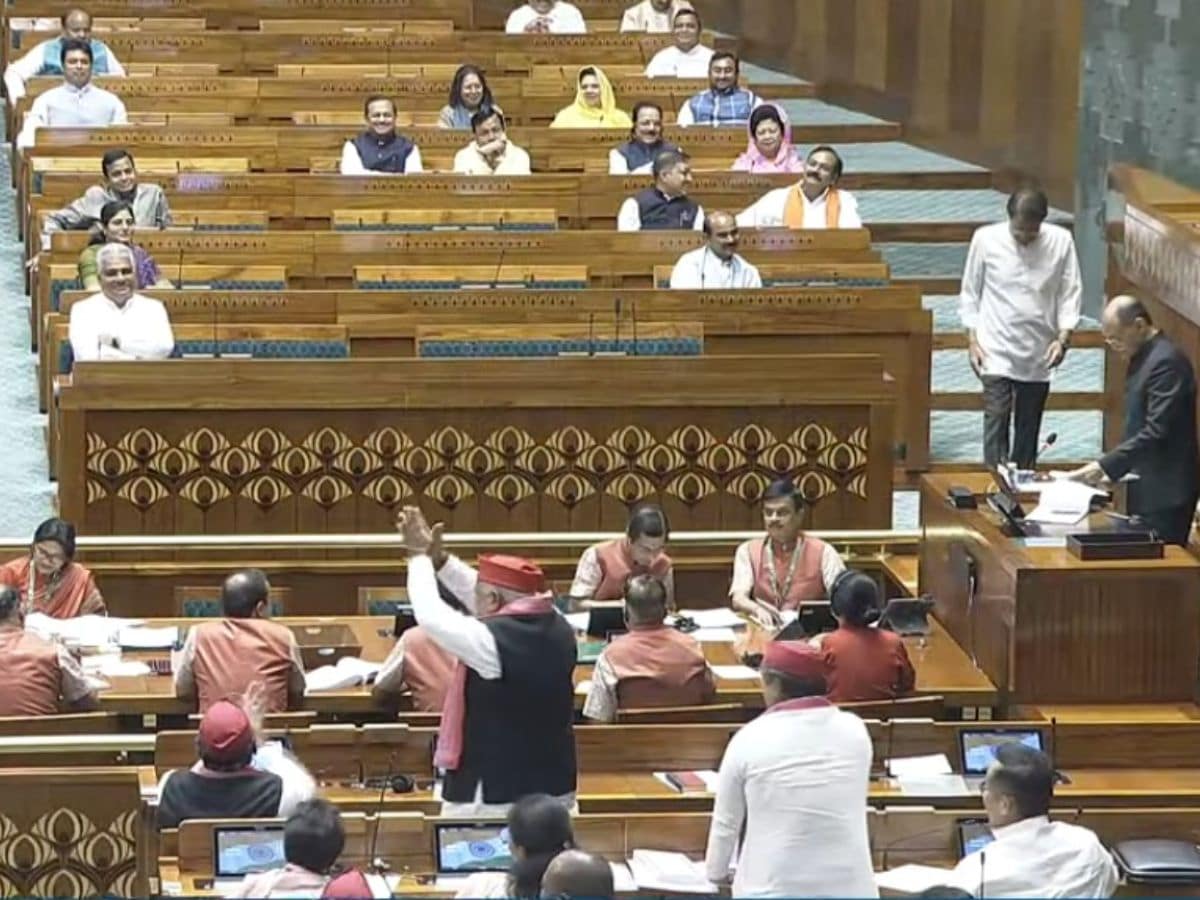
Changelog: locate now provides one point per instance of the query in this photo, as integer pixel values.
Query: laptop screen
(241, 849)
(472, 847)
(973, 835)
(978, 747)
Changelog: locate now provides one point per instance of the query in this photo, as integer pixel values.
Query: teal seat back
(481, 349)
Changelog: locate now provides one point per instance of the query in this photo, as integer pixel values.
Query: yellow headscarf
(580, 115)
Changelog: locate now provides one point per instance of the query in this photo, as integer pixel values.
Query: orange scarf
(793, 210)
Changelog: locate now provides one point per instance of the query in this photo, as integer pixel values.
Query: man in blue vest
(665, 206)
(724, 103)
(46, 57)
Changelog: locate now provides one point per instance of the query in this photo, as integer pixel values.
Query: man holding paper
(1159, 440)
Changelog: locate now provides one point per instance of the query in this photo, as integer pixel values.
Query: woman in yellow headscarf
(595, 104)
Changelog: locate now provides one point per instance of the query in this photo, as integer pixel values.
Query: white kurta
(469, 161)
(701, 269)
(31, 65)
(644, 17)
(67, 106)
(563, 18)
(618, 165)
(796, 780)
(141, 327)
(1018, 298)
(352, 163)
(671, 62)
(1039, 858)
(768, 210)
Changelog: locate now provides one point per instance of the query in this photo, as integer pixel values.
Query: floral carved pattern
(511, 466)
(64, 854)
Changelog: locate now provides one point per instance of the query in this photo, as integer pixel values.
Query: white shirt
(671, 62)
(513, 161)
(618, 165)
(629, 216)
(743, 570)
(31, 65)
(767, 211)
(1018, 298)
(352, 163)
(796, 780)
(589, 575)
(463, 637)
(67, 106)
(141, 328)
(701, 269)
(644, 17)
(563, 18)
(1039, 858)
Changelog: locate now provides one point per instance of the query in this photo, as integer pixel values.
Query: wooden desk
(942, 669)
(1049, 628)
(221, 446)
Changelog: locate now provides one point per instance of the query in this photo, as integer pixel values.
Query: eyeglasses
(56, 557)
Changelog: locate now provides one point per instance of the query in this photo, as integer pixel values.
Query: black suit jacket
(1159, 442)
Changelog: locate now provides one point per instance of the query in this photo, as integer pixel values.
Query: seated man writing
(653, 665)
(40, 677)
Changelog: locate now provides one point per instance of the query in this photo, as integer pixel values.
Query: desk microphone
(633, 322)
(1048, 443)
(215, 330)
(377, 865)
(616, 324)
(591, 334)
(503, 251)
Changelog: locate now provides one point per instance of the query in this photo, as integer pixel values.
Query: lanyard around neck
(773, 575)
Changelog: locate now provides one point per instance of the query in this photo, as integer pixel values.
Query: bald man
(577, 873)
(1159, 440)
(716, 265)
(221, 659)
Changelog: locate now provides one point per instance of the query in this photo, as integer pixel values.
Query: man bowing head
(507, 723)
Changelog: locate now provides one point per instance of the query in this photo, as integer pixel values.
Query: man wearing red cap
(237, 776)
(507, 724)
(795, 779)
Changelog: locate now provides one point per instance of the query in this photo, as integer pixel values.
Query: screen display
(979, 747)
(973, 836)
(473, 848)
(242, 850)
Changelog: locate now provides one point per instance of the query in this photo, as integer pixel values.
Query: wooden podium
(1049, 628)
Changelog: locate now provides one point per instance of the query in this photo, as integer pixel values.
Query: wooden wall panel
(993, 81)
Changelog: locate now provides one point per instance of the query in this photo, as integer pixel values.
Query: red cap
(226, 733)
(795, 658)
(512, 572)
(350, 885)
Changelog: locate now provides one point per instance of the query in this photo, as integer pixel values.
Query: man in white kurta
(814, 202)
(46, 57)
(1020, 301)
(652, 16)
(118, 323)
(1032, 856)
(716, 265)
(795, 779)
(491, 153)
(687, 58)
(545, 17)
(76, 103)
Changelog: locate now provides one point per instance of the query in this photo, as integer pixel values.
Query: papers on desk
(1063, 503)
(674, 873)
(578, 620)
(139, 637)
(912, 878)
(915, 766)
(623, 882)
(349, 672)
(715, 635)
(85, 631)
(110, 665)
(735, 673)
(584, 687)
(689, 782)
(926, 776)
(722, 617)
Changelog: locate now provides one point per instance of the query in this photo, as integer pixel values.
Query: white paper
(578, 620)
(715, 635)
(584, 687)
(1064, 502)
(912, 878)
(933, 786)
(87, 631)
(623, 882)
(142, 638)
(708, 776)
(735, 673)
(721, 617)
(917, 766)
(662, 870)
(349, 672)
(112, 666)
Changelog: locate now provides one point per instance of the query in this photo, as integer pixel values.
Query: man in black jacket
(1159, 440)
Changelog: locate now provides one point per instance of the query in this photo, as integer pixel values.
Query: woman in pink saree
(770, 147)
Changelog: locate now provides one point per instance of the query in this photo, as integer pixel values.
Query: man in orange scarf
(815, 202)
(508, 719)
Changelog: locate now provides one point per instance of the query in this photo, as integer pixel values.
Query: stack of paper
(84, 631)
(110, 665)
(1063, 503)
(142, 638)
(349, 672)
(578, 620)
(735, 673)
(674, 873)
(927, 776)
(623, 882)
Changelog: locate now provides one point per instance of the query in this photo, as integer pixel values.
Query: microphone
(591, 334)
(982, 881)
(633, 322)
(215, 333)
(377, 865)
(890, 724)
(503, 251)
(1048, 443)
(616, 325)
